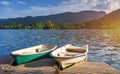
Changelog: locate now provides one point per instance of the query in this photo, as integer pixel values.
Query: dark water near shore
(104, 45)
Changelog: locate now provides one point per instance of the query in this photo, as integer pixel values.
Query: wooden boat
(32, 53)
(69, 55)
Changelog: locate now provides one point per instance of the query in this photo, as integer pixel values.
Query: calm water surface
(104, 45)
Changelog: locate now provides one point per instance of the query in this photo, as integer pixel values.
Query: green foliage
(13, 26)
(37, 25)
(41, 25)
(53, 26)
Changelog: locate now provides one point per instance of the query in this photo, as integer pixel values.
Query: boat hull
(69, 55)
(26, 55)
(64, 63)
(21, 59)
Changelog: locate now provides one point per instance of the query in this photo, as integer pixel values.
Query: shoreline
(48, 66)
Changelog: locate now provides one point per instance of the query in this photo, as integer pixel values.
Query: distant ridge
(63, 18)
(109, 21)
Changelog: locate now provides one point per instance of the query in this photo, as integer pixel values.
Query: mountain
(109, 21)
(63, 18)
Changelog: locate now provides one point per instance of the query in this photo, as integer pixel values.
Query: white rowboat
(69, 55)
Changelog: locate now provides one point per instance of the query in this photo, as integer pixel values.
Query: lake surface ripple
(104, 45)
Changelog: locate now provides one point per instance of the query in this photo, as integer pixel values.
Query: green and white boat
(68, 55)
(32, 53)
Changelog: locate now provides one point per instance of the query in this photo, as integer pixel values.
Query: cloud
(100, 5)
(67, 6)
(21, 2)
(6, 9)
(5, 3)
(108, 5)
(7, 12)
(74, 6)
(114, 5)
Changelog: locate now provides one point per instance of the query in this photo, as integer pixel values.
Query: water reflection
(104, 44)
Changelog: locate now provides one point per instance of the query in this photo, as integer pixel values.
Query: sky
(22, 8)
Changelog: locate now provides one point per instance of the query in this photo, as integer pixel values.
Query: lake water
(104, 45)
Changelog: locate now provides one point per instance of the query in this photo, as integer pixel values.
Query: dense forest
(46, 25)
(37, 25)
(41, 25)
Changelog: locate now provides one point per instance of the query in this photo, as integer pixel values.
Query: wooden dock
(48, 66)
